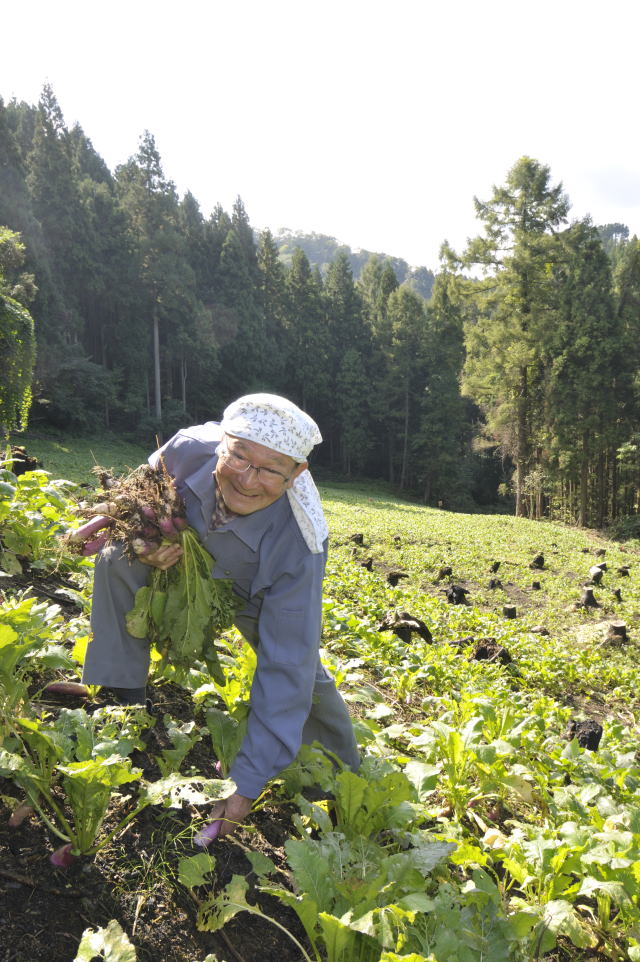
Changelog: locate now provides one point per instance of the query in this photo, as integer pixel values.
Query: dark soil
(44, 910)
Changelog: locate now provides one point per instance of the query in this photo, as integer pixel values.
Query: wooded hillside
(518, 376)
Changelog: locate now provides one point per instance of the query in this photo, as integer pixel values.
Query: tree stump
(617, 632)
(394, 577)
(21, 462)
(445, 572)
(494, 583)
(587, 599)
(623, 571)
(509, 611)
(456, 595)
(487, 649)
(535, 586)
(595, 573)
(587, 733)
(404, 625)
(357, 538)
(538, 561)
(617, 594)
(494, 567)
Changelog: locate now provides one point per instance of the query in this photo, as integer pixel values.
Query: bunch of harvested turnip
(182, 610)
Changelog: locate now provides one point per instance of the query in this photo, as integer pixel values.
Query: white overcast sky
(373, 122)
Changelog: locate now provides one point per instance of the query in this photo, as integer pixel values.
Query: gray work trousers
(118, 660)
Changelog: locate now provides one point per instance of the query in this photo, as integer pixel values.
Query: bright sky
(373, 122)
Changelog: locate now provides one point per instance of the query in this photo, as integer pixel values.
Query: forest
(507, 377)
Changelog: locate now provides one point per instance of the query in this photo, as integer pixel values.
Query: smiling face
(245, 490)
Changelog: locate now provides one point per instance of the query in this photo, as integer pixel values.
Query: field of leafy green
(476, 828)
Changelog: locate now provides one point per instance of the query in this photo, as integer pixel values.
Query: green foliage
(110, 943)
(34, 511)
(17, 341)
(183, 609)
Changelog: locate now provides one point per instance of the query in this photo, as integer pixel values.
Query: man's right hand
(163, 557)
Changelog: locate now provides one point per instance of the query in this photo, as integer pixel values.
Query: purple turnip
(63, 857)
(85, 531)
(93, 547)
(206, 835)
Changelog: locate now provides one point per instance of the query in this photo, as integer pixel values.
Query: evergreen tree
(441, 440)
(376, 283)
(583, 357)
(406, 374)
(516, 304)
(168, 282)
(274, 307)
(56, 204)
(306, 338)
(348, 334)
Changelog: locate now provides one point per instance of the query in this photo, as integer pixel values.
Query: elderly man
(252, 500)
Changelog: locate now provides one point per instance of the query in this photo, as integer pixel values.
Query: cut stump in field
(586, 732)
(617, 632)
(403, 624)
(488, 649)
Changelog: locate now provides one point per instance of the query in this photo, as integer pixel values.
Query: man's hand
(232, 811)
(163, 557)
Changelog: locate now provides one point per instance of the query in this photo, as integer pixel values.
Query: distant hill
(321, 250)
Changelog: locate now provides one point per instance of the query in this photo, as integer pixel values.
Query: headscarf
(282, 426)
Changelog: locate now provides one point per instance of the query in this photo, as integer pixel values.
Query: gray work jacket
(281, 580)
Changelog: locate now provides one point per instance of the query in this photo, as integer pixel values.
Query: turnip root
(66, 688)
(62, 857)
(93, 547)
(182, 609)
(144, 510)
(82, 534)
(208, 834)
(17, 817)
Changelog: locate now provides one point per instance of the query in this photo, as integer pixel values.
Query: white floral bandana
(274, 421)
(281, 425)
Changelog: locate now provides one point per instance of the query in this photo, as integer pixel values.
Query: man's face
(246, 490)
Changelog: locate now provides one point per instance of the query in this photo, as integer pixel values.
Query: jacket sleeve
(289, 628)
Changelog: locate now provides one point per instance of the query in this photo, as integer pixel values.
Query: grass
(70, 457)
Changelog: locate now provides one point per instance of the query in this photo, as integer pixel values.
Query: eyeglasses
(236, 462)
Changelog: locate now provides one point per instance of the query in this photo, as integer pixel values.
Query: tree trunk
(614, 483)
(405, 439)
(183, 378)
(584, 481)
(522, 443)
(156, 364)
(103, 361)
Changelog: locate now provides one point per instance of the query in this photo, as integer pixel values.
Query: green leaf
(217, 910)
(311, 872)
(423, 777)
(261, 864)
(193, 871)
(138, 618)
(111, 943)
(9, 563)
(304, 906)
(560, 918)
(174, 790)
(338, 937)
